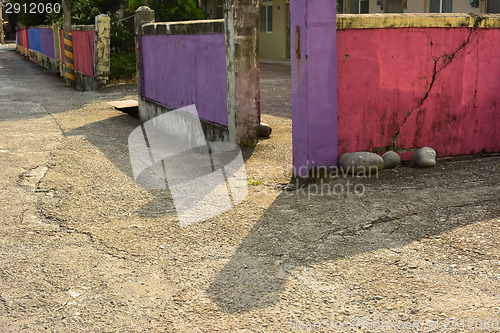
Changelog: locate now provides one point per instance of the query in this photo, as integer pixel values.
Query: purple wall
(180, 70)
(314, 84)
(47, 41)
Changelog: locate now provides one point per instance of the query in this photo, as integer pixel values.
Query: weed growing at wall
(122, 66)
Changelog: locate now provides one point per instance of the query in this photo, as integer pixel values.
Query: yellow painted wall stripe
(417, 20)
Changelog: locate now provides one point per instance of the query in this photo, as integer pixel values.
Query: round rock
(264, 130)
(361, 163)
(424, 157)
(391, 160)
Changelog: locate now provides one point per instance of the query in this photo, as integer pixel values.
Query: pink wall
(23, 37)
(83, 51)
(62, 47)
(437, 87)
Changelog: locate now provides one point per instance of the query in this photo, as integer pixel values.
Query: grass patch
(254, 182)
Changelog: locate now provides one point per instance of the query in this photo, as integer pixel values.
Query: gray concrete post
(142, 16)
(230, 70)
(56, 32)
(102, 49)
(242, 47)
(1, 23)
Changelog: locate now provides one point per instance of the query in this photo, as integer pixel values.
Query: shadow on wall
(297, 231)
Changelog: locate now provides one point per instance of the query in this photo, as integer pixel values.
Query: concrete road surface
(84, 249)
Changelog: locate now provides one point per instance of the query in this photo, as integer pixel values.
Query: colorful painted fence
(44, 45)
(197, 62)
(404, 81)
(192, 71)
(40, 39)
(83, 49)
(39, 45)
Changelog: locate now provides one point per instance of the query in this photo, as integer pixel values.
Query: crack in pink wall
(437, 87)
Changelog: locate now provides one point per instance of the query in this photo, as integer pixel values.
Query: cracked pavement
(83, 248)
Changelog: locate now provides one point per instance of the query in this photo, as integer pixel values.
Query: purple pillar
(314, 84)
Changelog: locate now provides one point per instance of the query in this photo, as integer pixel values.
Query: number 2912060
(32, 8)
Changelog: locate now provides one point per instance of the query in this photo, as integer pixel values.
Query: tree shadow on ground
(397, 208)
(110, 136)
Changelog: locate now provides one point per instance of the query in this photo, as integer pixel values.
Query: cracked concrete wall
(408, 86)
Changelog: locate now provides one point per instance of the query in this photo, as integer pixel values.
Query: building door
(493, 6)
(394, 6)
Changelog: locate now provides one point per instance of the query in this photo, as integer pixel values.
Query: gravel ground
(83, 248)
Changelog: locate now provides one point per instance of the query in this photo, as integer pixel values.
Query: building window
(266, 16)
(340, 6)
(493, 6)
(440, 6)
(359, 7)
(394, 6)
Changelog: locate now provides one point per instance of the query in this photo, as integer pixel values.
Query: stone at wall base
(264, 130)
(424, 157)
(362, 163)
(391, 160)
